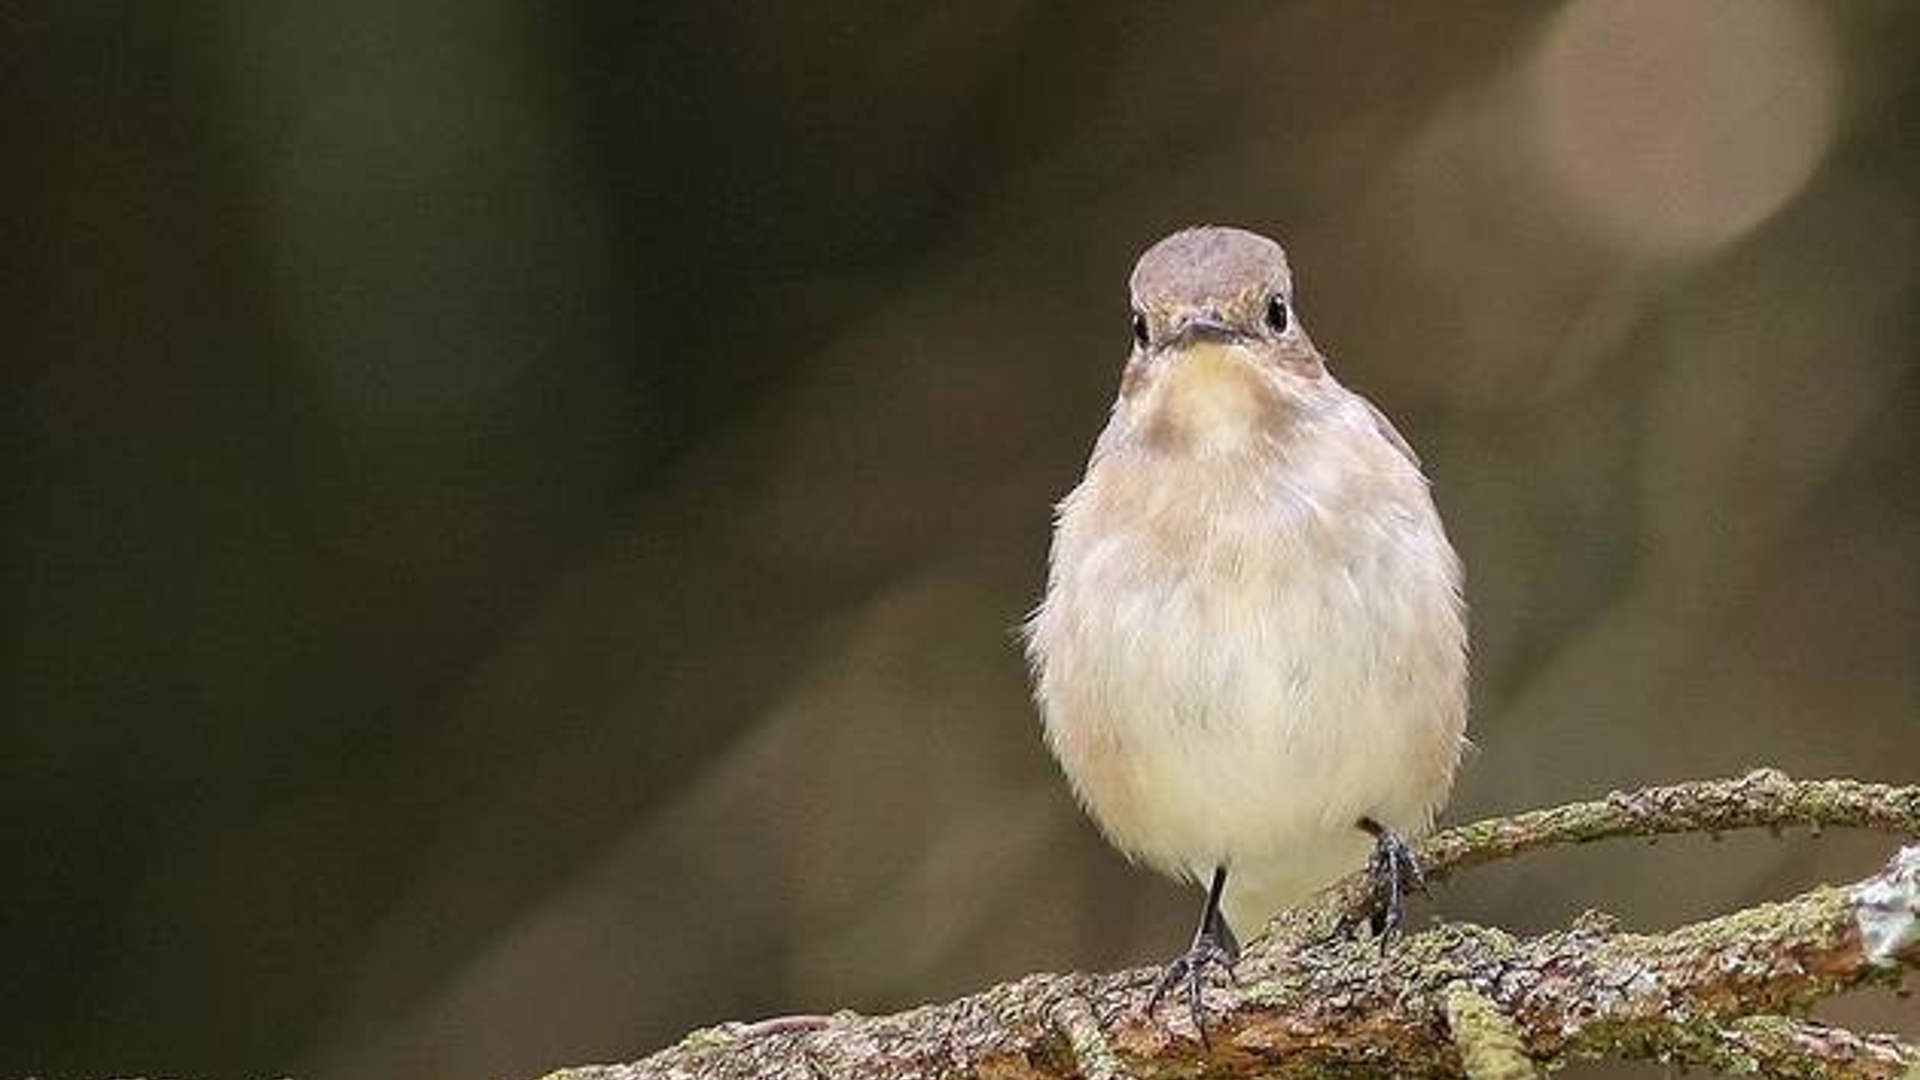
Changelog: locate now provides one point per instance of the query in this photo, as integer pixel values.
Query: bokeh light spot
(1678, 127)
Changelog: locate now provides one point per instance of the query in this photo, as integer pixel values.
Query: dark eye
(1277, 315)
(1140, 329)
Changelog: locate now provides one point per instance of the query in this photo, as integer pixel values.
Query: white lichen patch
(1888, 909)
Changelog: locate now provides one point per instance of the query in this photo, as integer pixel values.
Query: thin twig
(1763, 798)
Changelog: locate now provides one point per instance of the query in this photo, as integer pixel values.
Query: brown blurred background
(519, 511)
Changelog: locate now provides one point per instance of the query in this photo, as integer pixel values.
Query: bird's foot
(1392, 872)
(1189, 971)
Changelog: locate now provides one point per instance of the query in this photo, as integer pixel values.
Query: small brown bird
(1251, 659)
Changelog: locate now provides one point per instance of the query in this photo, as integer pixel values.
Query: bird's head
(1218, 350)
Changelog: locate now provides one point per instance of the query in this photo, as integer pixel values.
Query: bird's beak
(1201, 328)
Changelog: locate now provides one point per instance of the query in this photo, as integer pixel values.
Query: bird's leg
(1213, 944)
(1391, 872)
(1223, 936)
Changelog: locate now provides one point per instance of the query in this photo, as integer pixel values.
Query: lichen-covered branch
(1763, 798)
(1797, 1049)
(1720, 993)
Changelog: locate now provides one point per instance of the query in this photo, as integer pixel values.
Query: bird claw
(1188, 971)
(1392, 871)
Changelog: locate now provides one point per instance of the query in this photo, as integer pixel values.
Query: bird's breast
(1231, 663)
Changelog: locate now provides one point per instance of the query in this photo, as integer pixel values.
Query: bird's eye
(1277, 315)
(1140, 329)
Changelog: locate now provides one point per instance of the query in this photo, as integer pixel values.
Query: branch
(1452, 1001)
(1763, 798)
(1802, 1050)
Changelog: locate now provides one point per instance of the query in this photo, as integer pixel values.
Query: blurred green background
(519, 511)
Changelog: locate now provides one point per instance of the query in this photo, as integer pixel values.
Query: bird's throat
(1209, 399)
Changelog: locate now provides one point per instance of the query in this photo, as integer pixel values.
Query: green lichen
(707, 1038)
(1490, 1046)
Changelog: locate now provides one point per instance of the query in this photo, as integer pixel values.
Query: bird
(1251, 656)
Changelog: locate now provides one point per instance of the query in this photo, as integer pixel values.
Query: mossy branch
(1763, 798)
(1457, 1000)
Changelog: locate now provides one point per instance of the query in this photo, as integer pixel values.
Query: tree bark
(1457, 1000)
